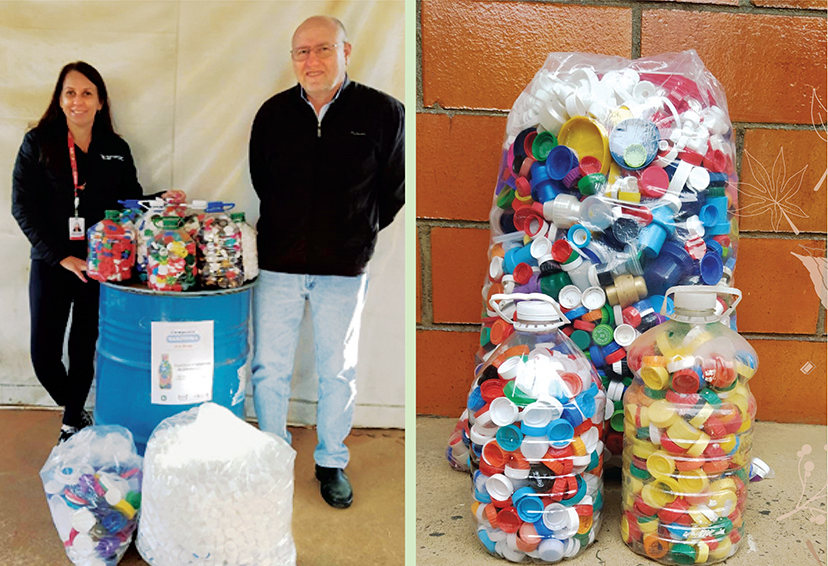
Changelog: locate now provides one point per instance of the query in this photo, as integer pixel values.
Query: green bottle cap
(505, 198)
(581, 339)
(112, 214)
(543, 144)
(592, 184)
(602, 334)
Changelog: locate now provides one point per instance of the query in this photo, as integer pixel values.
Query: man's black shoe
(335, 488)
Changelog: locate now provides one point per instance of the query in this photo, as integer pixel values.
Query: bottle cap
(593, 298)
(534, 448)
(570, 297)
(560, 161)
(543, 143)
(509, 437)
(503, 411)
(579, 236)
(624, 335)
(499, 487)
(560, 433)
(589, 164)
(602, 334)
(561, 250)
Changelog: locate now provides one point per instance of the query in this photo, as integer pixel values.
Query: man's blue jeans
(336, 308)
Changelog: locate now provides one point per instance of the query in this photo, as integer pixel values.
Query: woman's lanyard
(76, 223)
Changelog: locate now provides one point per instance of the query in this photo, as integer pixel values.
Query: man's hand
(76, 265)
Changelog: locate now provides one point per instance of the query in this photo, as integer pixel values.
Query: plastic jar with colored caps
(145, 229)
(536, 411)
(219, 249)
(110, 249)
(686, 473)
(171, 257)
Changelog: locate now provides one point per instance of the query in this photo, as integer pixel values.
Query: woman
(71, 167)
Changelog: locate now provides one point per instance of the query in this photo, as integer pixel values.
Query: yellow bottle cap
(642, 448)
(683, 433)
(658, 494)
(647, 525)
(702, 552)
(723, 550)
(625, 529)
(699, 445)
(701, 417)
(702, 515)
(660, 464)
(692, 481)
(723, 503)
(658, 361)
(662, 413)
(728, 443)
(655, 377)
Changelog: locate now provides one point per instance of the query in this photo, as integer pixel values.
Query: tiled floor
(370, 532)
(776, 534)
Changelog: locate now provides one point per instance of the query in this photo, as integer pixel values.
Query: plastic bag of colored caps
(219, 249)
(616, 182)
(535, 415)
(687, 441)
(93, 486)
(171, 261)
(110, 248)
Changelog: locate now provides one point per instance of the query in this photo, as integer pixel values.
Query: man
(327, 160)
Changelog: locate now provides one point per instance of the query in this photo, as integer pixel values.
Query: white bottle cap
(590, 439)
(699, 178)
(496, 268)
(695, 301)
(624, 335)
(499, 487)
(503, 411)
(509, 368)
(534, 448)
(570, 297)
(593, 298)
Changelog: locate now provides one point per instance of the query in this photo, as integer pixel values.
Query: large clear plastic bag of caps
(93, 487)
(217, 491)
(688, 433)
(616, 182)
(535, 413)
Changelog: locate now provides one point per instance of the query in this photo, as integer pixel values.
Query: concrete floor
(776, 533)
(371, 531)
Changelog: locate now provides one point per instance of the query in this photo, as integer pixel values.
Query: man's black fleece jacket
(326, 189)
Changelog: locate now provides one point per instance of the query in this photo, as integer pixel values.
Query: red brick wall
(770, 56)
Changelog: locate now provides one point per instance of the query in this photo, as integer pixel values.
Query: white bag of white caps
(206, 474)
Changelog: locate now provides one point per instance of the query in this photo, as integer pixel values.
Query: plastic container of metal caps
(250, 253)
(688, 433)
(535, 417)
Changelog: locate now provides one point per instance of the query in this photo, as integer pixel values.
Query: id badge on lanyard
(77, 224)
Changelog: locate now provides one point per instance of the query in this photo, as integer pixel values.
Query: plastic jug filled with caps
(111, 249)
(171, 263)
(250, 253)
(536, 413)
(219, 248)
(688, 433)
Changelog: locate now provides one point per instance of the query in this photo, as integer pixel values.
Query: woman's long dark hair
(52, 125)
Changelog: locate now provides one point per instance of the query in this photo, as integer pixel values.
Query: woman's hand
(176, 196)
(76, 265)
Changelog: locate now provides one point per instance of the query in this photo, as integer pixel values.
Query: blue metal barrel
(123, 393)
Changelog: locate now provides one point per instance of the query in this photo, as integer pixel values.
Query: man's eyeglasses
(321, 51)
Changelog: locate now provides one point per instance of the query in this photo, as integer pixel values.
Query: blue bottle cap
(714, 246)
(596, 356)
(573, 416)
(711, 268)
(586, 403)
(509, 437)
(657, 300)
(576, 313)
(560, 161)
(560, 432)
(633, 143)
(487, 542)
(475, 402)
(530, 507)
(579, 236)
